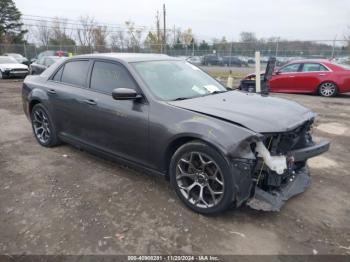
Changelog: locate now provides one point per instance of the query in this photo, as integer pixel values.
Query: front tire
(43, 128)
(2, 76)
(328, 89)
(202, 178)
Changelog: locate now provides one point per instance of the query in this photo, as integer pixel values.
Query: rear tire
(43, 128)
(202, 178)
(328, 89)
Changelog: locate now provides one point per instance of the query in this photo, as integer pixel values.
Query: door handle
(322, 74)
(51, 91)
(90, 102)
(291, 76)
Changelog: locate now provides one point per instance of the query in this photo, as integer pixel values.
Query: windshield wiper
(212, 93)
(216, 92)
(180, 98)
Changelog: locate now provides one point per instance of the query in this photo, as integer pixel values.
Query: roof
(54, 56)
(5, 56)
(129, 57)
(310, 61)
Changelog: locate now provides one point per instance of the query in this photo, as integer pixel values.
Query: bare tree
(117, 40)
(100, 35)
(43, 33)
(187, 36)
(135, 35)
(248, 37)
(60, 34)
(153, 42)
(85, 31)
(58, 28)
(221, 45)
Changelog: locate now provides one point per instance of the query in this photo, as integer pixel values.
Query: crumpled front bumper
(273, 201)
(299, 182)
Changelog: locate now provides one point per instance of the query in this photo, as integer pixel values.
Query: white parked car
(9, 67)
(196, 60)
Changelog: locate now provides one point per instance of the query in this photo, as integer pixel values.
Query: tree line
(88, 34)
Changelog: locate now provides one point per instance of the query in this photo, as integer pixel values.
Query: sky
(288, 19)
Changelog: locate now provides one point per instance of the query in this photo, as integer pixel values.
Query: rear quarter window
(57, 76)
(48, 73)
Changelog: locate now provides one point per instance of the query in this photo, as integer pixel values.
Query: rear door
(283, 80)
(310, 77)
(69, 95)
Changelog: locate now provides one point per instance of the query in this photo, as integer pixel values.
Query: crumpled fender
(231, 140)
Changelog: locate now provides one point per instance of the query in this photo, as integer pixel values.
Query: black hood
(258, 113)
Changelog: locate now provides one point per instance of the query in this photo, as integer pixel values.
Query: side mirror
(125, 94)
(277, 72)
(33, 60)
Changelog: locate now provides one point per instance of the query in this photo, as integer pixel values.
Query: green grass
(224, 74)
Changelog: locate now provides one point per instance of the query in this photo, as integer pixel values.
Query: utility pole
(158, 31)
(257, 72)
(277, 46)
(164, 23)
(333, 49)
(231, 46)
(192, 46)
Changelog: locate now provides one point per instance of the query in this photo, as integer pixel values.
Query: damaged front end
(279, 170)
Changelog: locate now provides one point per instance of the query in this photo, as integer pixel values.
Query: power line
(78, 26)
(77, 21)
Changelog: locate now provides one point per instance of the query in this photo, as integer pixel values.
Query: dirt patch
(321, 162)
(333, 128)
(64, 201)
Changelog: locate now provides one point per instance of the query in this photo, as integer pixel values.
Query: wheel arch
(32, 103)
(326, 81)
(180, 140)
(36, 96)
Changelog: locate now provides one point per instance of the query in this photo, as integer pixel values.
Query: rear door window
(107, 76)
(75, 72)
(313, 67)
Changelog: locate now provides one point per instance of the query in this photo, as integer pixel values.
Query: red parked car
(310, 76)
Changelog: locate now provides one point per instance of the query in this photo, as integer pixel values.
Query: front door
(284, 79)
(119, 127)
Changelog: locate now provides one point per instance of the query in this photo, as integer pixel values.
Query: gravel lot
(65, 201)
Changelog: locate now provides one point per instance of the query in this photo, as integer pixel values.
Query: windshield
(51, 60)
(7, 60)
(175, 80)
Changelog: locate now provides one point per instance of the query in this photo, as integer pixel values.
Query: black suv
(234, 61)
(212, 60)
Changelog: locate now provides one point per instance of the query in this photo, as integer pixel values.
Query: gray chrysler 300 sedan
(218, 147)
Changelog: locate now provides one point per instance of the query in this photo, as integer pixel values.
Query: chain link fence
(284, 51)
